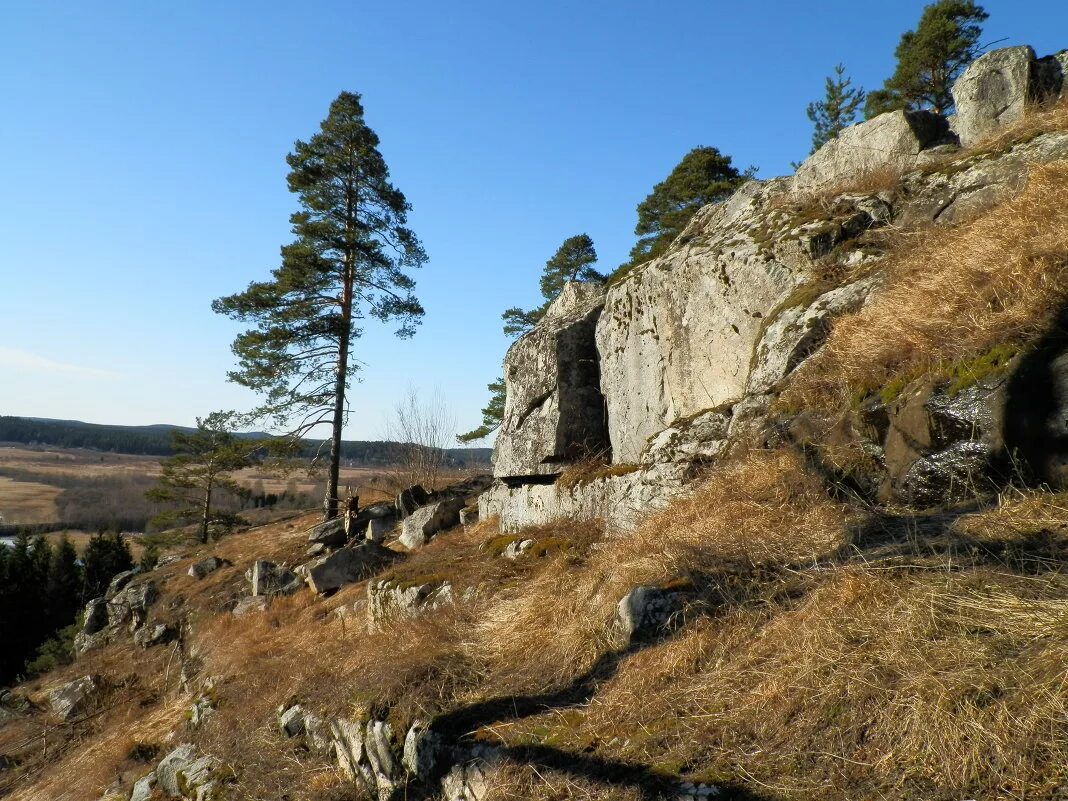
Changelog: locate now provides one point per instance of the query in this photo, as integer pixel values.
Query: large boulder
(73, 698)
(331, 533)
(346, 566)
(411, 499)
(130, 606)
(891, 141)
(119, 581)
(554, 412)
(996, 88)
(96, 616)
(271, 579)
(372, 523)
(420, 526)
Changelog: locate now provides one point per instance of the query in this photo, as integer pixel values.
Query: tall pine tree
(930, 58)
(348, 262)
(837, 110)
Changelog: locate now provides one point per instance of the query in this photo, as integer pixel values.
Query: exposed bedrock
(554, 413)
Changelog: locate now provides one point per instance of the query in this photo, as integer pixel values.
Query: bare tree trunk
(330, 502)
(206, 517)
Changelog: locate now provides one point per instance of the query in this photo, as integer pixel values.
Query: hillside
(818, 551)
(154, 440)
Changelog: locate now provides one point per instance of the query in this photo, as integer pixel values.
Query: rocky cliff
(689, 351)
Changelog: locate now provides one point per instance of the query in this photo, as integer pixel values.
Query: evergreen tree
(348, 262)
(105, 556)
(572, 261)
(201, 468)
(837, 110)
(64, 587)
(703, 176)
(492, 414)
(930, 59)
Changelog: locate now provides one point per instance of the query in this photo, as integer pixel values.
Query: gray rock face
(890, 141)
(554, 411)
(96, 616)
(204, 567)
(143, 788)
(993, 92)
(72, 699)
(119, 581)
(622, 501)
(373, 522)
(270, 579)
(331, 533)
(346, 566)
(130, 606)
(676, 337)
(420, 526)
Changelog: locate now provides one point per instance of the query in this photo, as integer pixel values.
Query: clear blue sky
(143, 166)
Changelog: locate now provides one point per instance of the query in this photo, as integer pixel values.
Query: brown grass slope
(825, 649)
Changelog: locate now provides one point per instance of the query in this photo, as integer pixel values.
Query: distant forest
(155, 440)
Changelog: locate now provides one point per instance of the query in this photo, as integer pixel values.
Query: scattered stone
(422, 750)
(159, 634)
(130, 606)
(330, 533)
(420, 526)
(390, 598)
(163, 561)
(346, 566)
(186, 774)
(247, 606)
(318, 549)
(517, 548)
(469, 515)
(646, 611)
(271, 579)
(291, 720)
(201, 710)
(411, 499)
(143, 788)
(73, 698)
(199, 570)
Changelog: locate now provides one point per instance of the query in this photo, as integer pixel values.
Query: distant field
(53, 485)
(27, 501)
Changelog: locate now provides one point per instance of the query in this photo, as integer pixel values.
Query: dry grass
(950, 295)
(27, 501)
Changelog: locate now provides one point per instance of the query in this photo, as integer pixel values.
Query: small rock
(271, 579)
(246, 606)
(291, 720)
(96, 616)
(199, 570)
(159, 634)
(143, 788)
(646, 611)
(119, 581)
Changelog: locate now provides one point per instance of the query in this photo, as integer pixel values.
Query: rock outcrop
(996, 88)
(554, 411)
(891, 141)
(692, 347)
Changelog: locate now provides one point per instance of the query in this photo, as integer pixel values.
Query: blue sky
(143, 166)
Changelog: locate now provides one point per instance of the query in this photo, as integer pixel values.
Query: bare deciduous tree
(424, 429)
